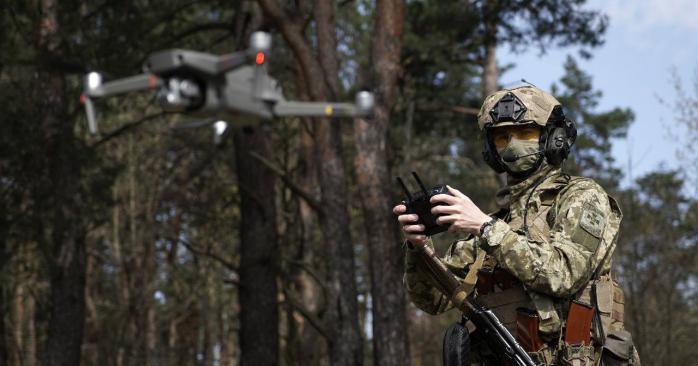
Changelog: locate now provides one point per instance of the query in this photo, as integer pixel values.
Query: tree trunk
(259, 266)
(4, 356)
(66, 231)
(490, 74)
(341, 315)
(390, 336)
(346, 343)
(30, 353)
(5, 255)
(18, 323)
(307, 337)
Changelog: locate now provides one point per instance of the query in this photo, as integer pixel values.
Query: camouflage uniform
(572, 226)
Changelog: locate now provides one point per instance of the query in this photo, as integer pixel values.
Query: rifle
(497, 336)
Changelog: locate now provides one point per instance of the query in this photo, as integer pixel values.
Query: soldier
(543, 260)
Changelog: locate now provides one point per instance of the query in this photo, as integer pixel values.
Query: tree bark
(490, 74)
(5, 255)
(258, 250)
(65, 236)
(346, 343)
(30, 353)
(4, 354)
(390, 335)
(306, 339)
(341, 315)
(18, 322)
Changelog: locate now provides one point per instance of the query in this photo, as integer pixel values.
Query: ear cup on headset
(559, 141)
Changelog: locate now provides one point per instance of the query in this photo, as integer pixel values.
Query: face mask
(520, 148)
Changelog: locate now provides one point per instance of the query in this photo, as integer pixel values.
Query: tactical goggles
(501, 136)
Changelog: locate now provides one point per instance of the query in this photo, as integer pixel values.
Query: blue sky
(647, 40)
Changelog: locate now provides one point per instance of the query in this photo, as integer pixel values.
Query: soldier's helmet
(517, 106)
(526, 106)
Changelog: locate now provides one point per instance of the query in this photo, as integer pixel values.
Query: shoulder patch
(592, 220)
(588, 231)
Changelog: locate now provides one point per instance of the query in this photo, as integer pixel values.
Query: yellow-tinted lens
(529, 133)
(500, 138)
(502, 135)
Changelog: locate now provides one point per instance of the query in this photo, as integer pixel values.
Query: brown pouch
(578, 327)
(527, 322)
(485, 281)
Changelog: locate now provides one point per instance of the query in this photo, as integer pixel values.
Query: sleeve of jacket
(583, 229)
(419, 286)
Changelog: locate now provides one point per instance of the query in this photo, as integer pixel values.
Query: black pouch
(618, 349)
(456, 350)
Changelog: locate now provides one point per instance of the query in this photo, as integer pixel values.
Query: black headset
(555, 141)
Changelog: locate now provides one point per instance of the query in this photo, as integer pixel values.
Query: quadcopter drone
(217, 87)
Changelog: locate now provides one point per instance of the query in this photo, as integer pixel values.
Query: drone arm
(315, 109)
(125, 85)
(94, 88)
(361, 108)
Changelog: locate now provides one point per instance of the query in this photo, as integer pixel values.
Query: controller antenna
(419, 181)
(404, 187)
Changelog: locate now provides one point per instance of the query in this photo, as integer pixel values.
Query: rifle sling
(468, 284)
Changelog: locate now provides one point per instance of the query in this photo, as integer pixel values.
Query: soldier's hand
(412, 231)
(459, 211)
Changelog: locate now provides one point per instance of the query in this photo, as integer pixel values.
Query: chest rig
(502, 292)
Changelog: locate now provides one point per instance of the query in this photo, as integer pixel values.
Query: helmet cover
(521, 105)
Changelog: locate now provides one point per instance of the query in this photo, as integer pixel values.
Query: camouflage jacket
(572, 225)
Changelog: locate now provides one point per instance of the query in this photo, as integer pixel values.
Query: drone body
(233, 87)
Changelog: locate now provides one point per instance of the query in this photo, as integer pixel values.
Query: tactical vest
(511, 301)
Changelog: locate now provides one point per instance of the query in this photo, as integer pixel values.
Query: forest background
(150, 245)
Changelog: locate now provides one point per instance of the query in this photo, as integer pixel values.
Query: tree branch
(295, 188)
(125, 128)
(466, 110)
(226, 26)
(292, 32)
(306, 267)
(208, 254)
(314, 321)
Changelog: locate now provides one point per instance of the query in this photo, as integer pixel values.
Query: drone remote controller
(418, 203)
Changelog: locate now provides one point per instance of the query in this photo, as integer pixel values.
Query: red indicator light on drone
(82, 98)
(152, 81)
(260, 58)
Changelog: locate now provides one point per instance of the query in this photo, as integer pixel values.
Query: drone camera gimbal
(217, 87)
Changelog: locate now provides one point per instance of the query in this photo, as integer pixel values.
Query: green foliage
(656, 261)
(596, 130)
(543, 23)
